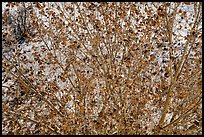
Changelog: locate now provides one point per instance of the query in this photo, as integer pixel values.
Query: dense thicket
(102, 68)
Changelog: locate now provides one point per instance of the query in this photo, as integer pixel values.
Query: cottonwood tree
(102, 68)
